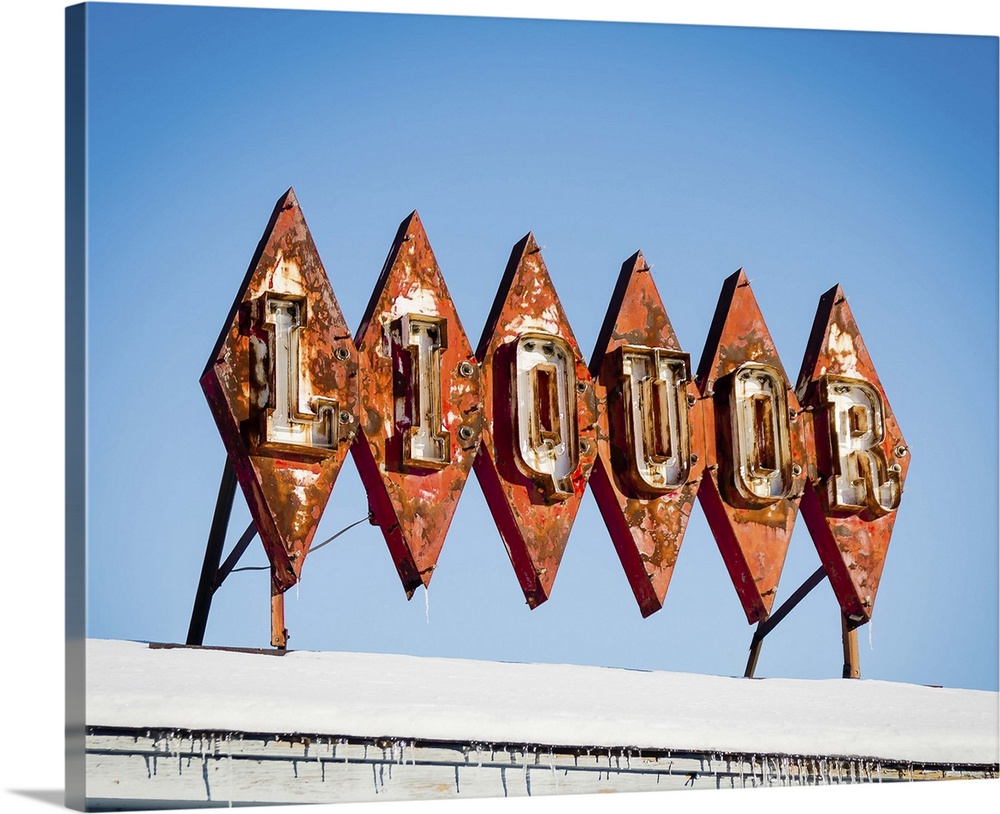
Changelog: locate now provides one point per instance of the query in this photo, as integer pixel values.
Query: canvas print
(491, 407)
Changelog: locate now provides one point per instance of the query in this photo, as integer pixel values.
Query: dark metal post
(765, 626)
(213, 554)
(852, 661)
(755, 645)
(279, 635)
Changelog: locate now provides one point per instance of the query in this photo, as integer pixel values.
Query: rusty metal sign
(422, 416)
(540, 439)
(650, 437)
(857, 472)
(282, 385)
(756, 447)
(291, 391)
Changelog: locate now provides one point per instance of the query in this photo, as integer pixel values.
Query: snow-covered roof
(130, 684)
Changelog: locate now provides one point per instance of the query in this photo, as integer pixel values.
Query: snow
(364, 695)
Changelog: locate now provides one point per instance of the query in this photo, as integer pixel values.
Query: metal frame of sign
(291, 391)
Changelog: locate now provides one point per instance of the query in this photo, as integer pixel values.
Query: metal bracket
(212, 574)
(765, 626)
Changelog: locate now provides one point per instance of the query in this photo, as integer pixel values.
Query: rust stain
(286, 483)
(646, 526)
(413, 498)
(534, 523)
(852, 544)
(752, 537)
(290, 391)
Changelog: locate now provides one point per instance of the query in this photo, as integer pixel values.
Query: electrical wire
(312, 548)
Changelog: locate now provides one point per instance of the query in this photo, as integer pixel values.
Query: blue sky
(909, 192)
(808, 158)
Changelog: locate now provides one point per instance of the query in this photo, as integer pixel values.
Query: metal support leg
(755, 645)
(213, 554)
(765, 626)
(279, 636)
(852, 662)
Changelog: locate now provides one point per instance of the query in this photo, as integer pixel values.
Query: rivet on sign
(465, 433)
(342, 353)
(465, 369)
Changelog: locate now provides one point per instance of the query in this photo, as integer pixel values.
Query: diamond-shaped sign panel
(651, 434)
(756, 445)
(422, 415)
(282, 385)
(856, 478)
(540, 439)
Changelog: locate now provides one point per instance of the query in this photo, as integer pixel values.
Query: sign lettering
(544, 400)
(654, 395)
(293, 417)
(762, 465)
(862, 478)
(417, 343)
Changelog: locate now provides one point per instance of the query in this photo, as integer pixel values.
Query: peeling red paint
(752, 536)
(413, 500)
(287, 485)
(646, 526)
(852, 544)
(534, 520)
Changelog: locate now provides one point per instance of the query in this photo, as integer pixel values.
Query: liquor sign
(422, 408)
(756, 447)
(651, 440)
(540, 440)
(291, 391)
(282, 384)
(856, 476)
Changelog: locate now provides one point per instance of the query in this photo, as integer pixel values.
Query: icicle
(229, 768)
(427, 604)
